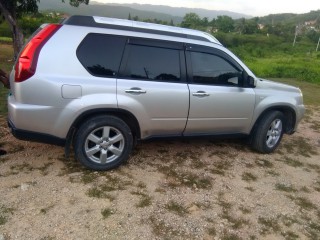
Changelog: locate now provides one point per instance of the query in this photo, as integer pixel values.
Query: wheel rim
(104, 145)
(274, 133)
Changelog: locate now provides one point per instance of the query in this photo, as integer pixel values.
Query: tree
(224, 23)
(191, 20)
(11, 10)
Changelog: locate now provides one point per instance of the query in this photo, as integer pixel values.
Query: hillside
(290, 18)
(143, 11)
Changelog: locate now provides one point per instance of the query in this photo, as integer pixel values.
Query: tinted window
(153, 63)
(213, 69)
(101, 54)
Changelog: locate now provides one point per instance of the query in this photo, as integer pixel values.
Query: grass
(162, 229)
(303, 203)
(291, 161)
(269, 225)
(4, 212)
(46, 209)
(285, 187)
(248, 177)
(300, 146)
(177, 208)
(264, 163)
(144, 201)
(107, 212)
(185, 178)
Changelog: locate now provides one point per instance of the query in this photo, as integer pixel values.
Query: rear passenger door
(152, 86)
(219, 102)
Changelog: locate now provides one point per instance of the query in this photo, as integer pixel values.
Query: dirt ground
(169, 189)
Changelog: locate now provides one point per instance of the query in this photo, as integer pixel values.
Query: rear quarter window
(101, 54)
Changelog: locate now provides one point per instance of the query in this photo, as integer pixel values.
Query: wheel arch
(126, 116)
(288, 112)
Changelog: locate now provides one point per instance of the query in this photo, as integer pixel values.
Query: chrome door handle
(135, 91)
(200, 94)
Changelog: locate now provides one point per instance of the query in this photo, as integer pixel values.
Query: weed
(315, 126)
(88, 177)
(291, 162)
(246, 176)
(314, 167)
(44, 168)
(212, 231)
(162, 228)
(305, 189)
(45, 210)
(229, 236)
(4, 212)
(22, 167)
(107, 212)
(264, 163)
(285, 187)
(47, 238)
(145, 200)
(251, 189)
(245, 210)
(273, 173)
(176, 208)
(17, 148)
(141, 185)
(300, 146)
(185, 178)
(160, 190)
(221, 166)
(289, 235)
(269, 225)
(303, 202)
(237, 223)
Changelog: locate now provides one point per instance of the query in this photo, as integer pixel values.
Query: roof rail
(129, 25)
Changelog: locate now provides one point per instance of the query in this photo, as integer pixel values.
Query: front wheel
(103, 143)
(268, 133)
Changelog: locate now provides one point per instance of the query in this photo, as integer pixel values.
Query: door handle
(135, 91)
(200, 94)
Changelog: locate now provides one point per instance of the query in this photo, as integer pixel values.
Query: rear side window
(153, 63)
(101, 54)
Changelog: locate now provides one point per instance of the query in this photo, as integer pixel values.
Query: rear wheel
(268, 134)
(103, 143)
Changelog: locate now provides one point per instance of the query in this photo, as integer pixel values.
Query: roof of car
(129, 25)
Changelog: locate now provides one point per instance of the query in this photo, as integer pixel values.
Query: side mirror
(251, 82)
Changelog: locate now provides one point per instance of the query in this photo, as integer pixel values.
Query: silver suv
(100, 84)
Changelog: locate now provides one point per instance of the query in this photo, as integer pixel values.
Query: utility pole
(318, 44)
(295, 36)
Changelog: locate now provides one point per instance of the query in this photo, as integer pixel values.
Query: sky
(249, 7)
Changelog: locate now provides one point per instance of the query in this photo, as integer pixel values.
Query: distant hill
(143, 11)
(181, 12)
(290, 18)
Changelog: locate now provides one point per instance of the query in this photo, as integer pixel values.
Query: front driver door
(219, 104)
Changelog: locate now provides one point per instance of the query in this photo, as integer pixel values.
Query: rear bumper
(34, 136)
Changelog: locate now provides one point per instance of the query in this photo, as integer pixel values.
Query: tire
(103, 143)
(269, 132)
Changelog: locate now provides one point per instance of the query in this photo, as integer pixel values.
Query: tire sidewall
(260, 135)
(97, 122)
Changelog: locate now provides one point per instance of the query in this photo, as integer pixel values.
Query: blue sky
(250, 7)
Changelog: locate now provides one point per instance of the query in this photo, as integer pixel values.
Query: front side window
(153, 63)
(101, 54)
(214, 70)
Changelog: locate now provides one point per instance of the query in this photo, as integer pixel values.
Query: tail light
(27, 62)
